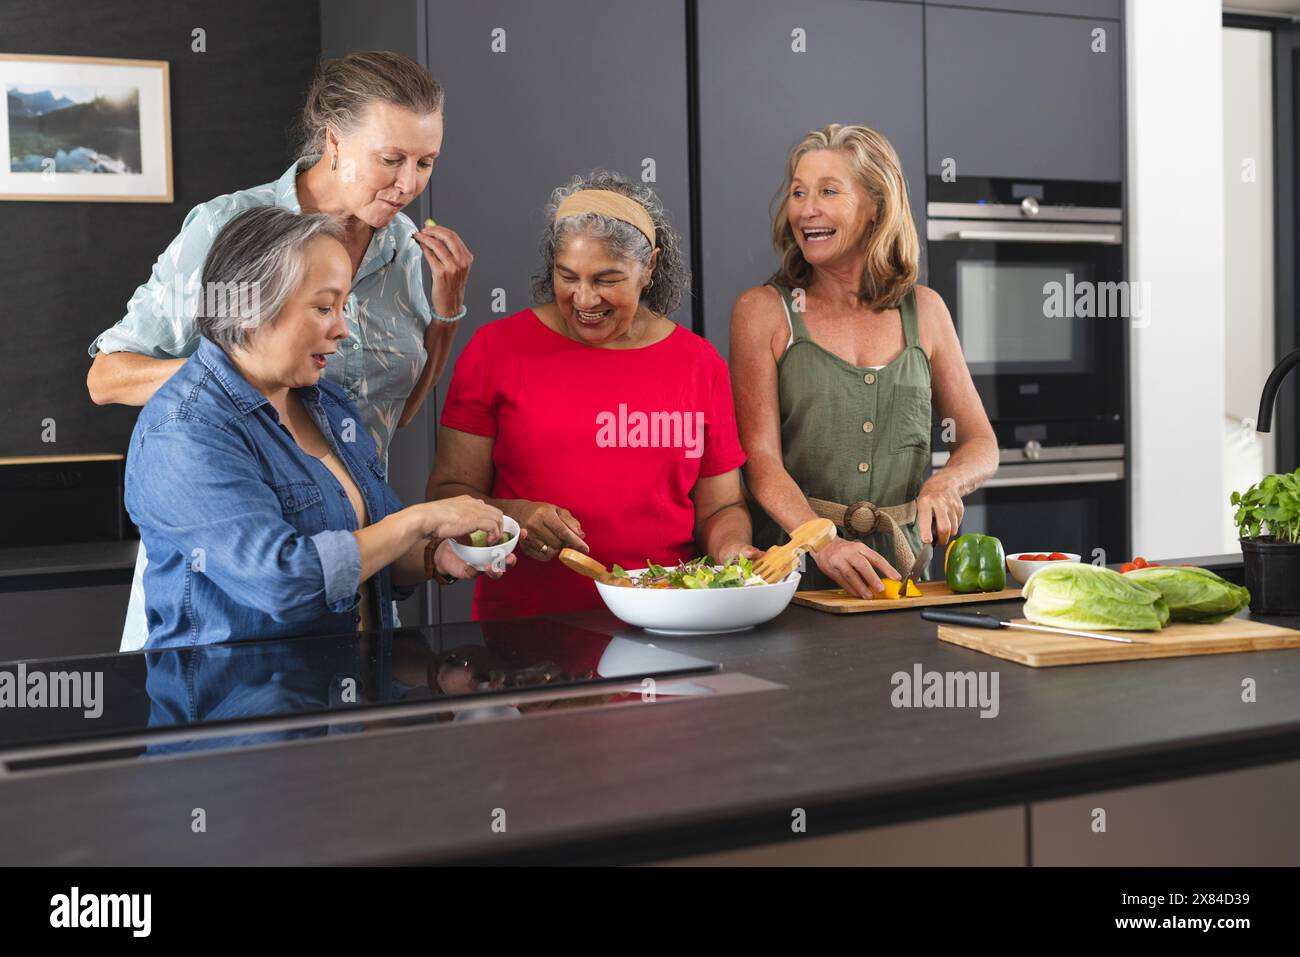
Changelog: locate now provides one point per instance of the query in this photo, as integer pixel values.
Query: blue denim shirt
(249, 536)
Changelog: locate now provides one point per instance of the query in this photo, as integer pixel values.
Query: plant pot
(1272, 575)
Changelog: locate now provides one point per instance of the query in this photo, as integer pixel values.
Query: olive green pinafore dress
(852, 434)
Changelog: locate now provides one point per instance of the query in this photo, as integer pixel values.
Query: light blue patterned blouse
(387, 311)
(387, 314)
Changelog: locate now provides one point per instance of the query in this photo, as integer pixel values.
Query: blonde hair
(892, 247)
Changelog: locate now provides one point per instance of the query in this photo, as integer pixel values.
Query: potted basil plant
(1268, 523)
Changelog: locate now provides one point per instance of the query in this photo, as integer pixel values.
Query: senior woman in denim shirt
(261, 501)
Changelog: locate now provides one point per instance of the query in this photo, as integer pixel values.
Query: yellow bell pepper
(894, 588)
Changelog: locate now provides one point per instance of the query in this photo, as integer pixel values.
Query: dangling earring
(334, 161)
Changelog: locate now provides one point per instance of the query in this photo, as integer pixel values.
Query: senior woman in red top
(592, 419)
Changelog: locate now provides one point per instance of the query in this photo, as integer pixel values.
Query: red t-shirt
(619, 437)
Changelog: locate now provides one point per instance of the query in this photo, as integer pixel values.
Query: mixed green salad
(700, 572)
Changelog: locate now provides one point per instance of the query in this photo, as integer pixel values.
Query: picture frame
(85, 129)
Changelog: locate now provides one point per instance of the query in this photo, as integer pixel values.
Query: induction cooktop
(257, 692)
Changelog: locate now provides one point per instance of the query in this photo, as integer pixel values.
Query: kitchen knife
(923, 559)
(974, 619)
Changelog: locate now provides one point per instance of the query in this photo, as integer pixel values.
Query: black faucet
(1269, 396)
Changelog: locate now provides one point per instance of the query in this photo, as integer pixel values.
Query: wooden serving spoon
(586, 565)
(778, 561)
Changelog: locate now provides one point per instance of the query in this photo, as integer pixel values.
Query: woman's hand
(939, 506)
(453, 517)
(449, 260)
(854, 566)
(447, 562)
(550, 528)
(727, 552)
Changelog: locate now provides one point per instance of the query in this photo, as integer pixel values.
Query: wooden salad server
(778, 561)
(586, 565)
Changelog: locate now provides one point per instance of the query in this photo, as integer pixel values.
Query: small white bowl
(698, 611)
(489, 556)
(1021, 570)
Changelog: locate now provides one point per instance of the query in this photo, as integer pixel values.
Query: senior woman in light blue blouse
(371, 130)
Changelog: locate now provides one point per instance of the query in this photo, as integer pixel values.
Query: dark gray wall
(68, 269)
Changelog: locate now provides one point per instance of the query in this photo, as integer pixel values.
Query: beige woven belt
(863, 518)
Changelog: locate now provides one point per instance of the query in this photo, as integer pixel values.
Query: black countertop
(646, 782)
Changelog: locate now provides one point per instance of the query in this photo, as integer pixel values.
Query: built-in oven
(1033, 275)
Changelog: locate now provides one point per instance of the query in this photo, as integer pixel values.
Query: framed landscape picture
(85, 129)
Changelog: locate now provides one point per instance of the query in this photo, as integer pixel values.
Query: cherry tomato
(1127, 567)
(1140, 562)
(1058, 556)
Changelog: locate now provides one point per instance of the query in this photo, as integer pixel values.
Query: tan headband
(606, 202)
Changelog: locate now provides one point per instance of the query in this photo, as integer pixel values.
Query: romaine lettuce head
(1193, 594)
(1090, 597)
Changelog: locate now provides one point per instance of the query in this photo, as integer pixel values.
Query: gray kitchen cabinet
(1232, 819)
(757, 97)
(537, 93)
(1078, 8)
(1023, 95)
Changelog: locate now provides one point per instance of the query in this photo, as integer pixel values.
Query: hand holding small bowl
(489, 557)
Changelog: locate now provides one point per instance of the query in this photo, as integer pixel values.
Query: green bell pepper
(976, 563)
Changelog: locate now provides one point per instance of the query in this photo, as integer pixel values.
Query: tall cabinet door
(537, 93)
(1021, 94)
(770, 71)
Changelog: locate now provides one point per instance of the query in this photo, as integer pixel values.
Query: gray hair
(253, 267)
(672, 277)
(344, 89)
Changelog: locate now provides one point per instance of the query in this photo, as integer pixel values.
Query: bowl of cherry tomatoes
(1023, 564)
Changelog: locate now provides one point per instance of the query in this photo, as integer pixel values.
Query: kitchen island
(1144, 762)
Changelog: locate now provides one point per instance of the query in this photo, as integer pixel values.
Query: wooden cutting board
(1039, 650)
(839, 602)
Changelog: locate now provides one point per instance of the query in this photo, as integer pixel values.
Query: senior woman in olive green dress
(835, 363)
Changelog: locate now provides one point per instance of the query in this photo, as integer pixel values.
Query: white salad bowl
(698, 611)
